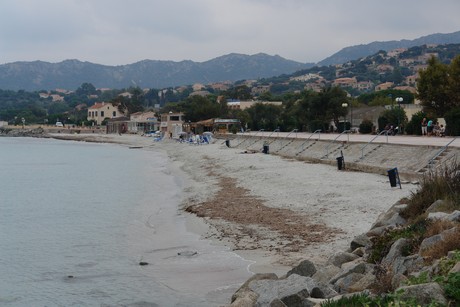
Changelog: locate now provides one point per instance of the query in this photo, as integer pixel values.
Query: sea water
(77, 218)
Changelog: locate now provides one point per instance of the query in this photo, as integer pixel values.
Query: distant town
(378, 92)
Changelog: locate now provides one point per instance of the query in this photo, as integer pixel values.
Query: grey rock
(377, 231)
(455, 269)
(437, 216)
(434, 207)
(396, 250)
(244, 296)
(360, 241)
(295, 299)
(359, 268)
(305, 268)
(397, 280)
(407, 265)
(433, 240)
(360, 251)
(424, 294)
(391, 216)
(340, 258)
(320, 290)
(277, 303)
(364, 283)
(427, 243)
(342, 285)
(454, 216)
(324, 274)
(269, 290)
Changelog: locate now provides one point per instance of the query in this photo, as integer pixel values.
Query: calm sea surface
(77, 218)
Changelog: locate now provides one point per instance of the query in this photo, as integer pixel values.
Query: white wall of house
(102, 110)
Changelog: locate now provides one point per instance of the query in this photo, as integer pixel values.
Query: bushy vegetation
(452, 118)
(440, 184)
(443, 184)
(366, 127)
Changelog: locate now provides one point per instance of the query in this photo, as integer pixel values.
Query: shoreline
(291, 210)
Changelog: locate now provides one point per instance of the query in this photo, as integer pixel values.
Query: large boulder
(244, 296)
(340, 258)
(270, 290)
(391, 217)
(359, 268)
(423, 294)
(293, 290)
(407, 265)
(360, 241)
(396, 250)
(343, 285)
(305, 268)
(436, 206)
(366, 282)
(325, 273)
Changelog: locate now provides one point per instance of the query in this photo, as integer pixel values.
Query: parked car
(59, 124)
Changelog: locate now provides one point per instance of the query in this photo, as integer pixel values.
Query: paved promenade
(365, 138)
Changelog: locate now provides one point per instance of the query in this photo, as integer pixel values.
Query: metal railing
(333, 141)
(261, 130)
(382, 132)
(276, 130)
(286, 137)
(308, 139)
(443, 149)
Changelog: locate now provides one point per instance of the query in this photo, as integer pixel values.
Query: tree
(438, 86)
(241, 92)
(265, 116)
(453, 121)
(198, 108)
(395, 116)
(86, 89)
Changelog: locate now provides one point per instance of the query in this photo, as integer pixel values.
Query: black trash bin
(265, 149)
(394, 177)
(339, 163)
(227, 142)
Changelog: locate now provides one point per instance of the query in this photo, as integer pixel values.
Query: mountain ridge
(71, 73)
(358, 51)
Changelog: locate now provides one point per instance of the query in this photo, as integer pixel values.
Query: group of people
(391, 129)
(432, 128)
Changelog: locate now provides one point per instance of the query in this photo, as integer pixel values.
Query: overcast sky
(118, 32)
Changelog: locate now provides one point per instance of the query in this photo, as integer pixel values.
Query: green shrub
(453, 121)
(441, 184)
(381, 245)
(366, 126)
(414, 125)
(452, 286)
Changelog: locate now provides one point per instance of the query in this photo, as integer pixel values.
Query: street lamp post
(345, 105)
(399, 100)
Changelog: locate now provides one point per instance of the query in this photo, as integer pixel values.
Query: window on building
(114, 113)
(102, 113)
(174, 118)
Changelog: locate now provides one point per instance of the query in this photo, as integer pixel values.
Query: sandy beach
(271, 210)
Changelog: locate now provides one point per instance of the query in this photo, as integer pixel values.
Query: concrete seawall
(412, 157)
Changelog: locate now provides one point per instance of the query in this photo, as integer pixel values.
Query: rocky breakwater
(15, 132)
(392, 262)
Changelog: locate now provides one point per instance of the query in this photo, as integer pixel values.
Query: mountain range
(359, 51)
(70, 74)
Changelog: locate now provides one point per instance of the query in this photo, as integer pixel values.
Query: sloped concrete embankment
(411, 160)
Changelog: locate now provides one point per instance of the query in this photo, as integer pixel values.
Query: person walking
(424, 124)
